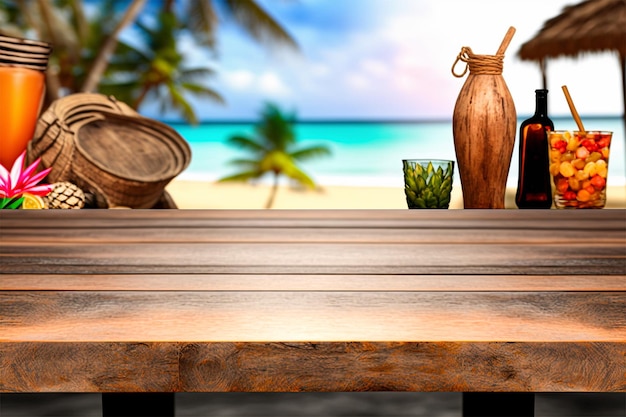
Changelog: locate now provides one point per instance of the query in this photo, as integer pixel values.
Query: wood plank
(315, 258)
(89, 367)
(447, 367)
(312, 366)
(312, 316)
(46, 236)
(313, 282)
(447, 219)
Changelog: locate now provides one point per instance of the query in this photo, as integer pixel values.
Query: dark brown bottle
(533, 184)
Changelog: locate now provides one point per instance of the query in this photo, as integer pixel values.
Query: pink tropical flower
(23, 181)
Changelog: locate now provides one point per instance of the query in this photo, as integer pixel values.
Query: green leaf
(435, 181)
(419, 203)
(410, 194)
(420, 184)
(419, 170)
(445, 202)
(310, 153)
(242, 176)
(409, 181)
(247, 143)
(11, 203)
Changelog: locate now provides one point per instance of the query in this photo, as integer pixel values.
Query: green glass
(427, 183)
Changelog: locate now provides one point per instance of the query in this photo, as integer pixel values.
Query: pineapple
(65, 195)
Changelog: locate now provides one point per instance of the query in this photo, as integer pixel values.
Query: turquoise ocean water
(367, 153)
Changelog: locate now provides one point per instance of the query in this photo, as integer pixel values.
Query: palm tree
(84, 48)
(274, 151)
(157, 69)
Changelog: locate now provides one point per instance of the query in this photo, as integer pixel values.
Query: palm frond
(202, 91)
(242, 176)
(259, 24)
(202, 21)
(310, 153)
(246, 143)
(179, 102)
(195, 73)
(242, 162)
(296, 174)
(131, 53)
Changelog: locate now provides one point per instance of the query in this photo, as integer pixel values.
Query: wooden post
(143, 404)
(498, 404)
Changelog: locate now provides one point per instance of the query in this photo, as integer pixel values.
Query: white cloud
(270, 83)
(357, 81)
(239, 79)
(265, 85)
(374, 67)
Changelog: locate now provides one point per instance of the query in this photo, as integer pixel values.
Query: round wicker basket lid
(132, 148)
(105, 146)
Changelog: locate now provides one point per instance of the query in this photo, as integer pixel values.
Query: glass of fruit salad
(579, 163)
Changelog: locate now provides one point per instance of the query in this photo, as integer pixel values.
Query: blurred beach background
(372, 81)
(369, 79)
(364, 171)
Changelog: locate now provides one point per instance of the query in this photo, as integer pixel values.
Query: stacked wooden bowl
(24, 53)
(109, 150)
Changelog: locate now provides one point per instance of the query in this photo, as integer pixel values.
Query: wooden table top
(331, 300)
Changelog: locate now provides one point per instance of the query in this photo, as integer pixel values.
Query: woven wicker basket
(109, 150)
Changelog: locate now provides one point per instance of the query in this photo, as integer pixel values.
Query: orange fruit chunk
(33, 202)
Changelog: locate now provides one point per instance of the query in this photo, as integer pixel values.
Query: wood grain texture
(88, 367)
(248, 316)
(315, 258)
(407, 300)
(455, 366)
(442, 219)
(311, 282)
(402, 235)
(312, 367)
(483, 124)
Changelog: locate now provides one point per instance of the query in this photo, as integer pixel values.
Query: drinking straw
(506, 41)
(572, 108)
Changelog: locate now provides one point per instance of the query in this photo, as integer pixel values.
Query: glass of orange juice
(22, 83)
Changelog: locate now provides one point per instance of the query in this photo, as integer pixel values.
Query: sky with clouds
(392, 59)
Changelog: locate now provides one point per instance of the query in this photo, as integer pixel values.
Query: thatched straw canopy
(590, 26)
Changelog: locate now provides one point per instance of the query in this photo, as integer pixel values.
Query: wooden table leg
(143, 404)
(500, 404)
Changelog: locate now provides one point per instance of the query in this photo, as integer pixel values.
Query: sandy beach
(207, 195)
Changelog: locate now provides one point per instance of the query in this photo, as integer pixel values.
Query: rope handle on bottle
(478, 64)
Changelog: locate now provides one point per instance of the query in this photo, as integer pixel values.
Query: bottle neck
(541, 103)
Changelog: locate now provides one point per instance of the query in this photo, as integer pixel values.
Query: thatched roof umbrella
(589, 26)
